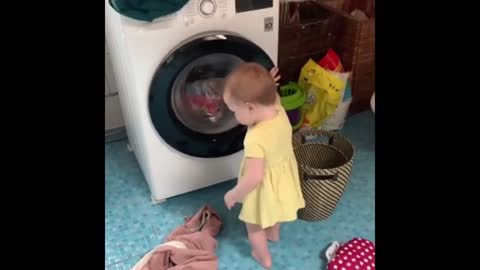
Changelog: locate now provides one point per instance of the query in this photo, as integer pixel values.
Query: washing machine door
(185, 101)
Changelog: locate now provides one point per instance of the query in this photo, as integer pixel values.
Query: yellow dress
(278, 197)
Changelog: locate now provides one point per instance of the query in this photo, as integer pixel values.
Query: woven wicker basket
(308, 29)
(355, 43)
(305, 31)
(324, 169)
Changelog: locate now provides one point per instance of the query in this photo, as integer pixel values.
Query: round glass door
(186, 95)
(197, 94)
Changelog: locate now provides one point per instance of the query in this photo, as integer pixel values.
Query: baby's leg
(258, 240)
(273, 233)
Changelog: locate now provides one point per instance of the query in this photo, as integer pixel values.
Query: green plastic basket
(293, 98)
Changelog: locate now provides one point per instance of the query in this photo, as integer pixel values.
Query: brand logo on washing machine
(268, 24)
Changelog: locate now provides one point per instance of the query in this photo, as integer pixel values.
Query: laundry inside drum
(197, 94)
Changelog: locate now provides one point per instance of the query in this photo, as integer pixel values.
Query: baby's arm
(252, 177)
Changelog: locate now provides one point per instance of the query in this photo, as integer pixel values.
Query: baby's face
(244, 112)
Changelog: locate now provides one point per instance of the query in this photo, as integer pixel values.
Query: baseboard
(115, 134)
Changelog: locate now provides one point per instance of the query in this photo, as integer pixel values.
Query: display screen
(249, 5)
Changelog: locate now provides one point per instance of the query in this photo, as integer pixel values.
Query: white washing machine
(169, 75)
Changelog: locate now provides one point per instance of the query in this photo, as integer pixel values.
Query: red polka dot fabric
(356, 254)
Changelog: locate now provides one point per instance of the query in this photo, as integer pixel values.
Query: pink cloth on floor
(197, 235)
(206, 220)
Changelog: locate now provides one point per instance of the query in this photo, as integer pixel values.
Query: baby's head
(249, 89)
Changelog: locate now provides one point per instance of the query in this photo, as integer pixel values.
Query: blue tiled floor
(133, 225)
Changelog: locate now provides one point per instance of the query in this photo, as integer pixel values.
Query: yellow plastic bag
(325, 91)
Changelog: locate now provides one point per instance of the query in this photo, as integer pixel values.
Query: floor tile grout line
(135, 255)
(155, 232)
(126, 259)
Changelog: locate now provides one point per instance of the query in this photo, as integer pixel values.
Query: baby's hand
(229, 199)
(274, 72)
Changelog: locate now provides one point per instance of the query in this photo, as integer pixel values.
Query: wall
(113, 113)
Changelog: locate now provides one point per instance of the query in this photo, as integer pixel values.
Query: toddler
(268, 184)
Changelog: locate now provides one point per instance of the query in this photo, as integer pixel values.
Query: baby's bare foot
(265, 262)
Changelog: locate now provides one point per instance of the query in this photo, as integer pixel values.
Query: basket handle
(303, 138)
(330, 177)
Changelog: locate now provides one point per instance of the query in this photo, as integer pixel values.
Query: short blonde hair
(251, 82)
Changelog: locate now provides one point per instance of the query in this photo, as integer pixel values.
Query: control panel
(207, 8)
(195, 10)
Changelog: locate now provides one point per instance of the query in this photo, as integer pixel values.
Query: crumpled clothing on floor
(191, 246)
